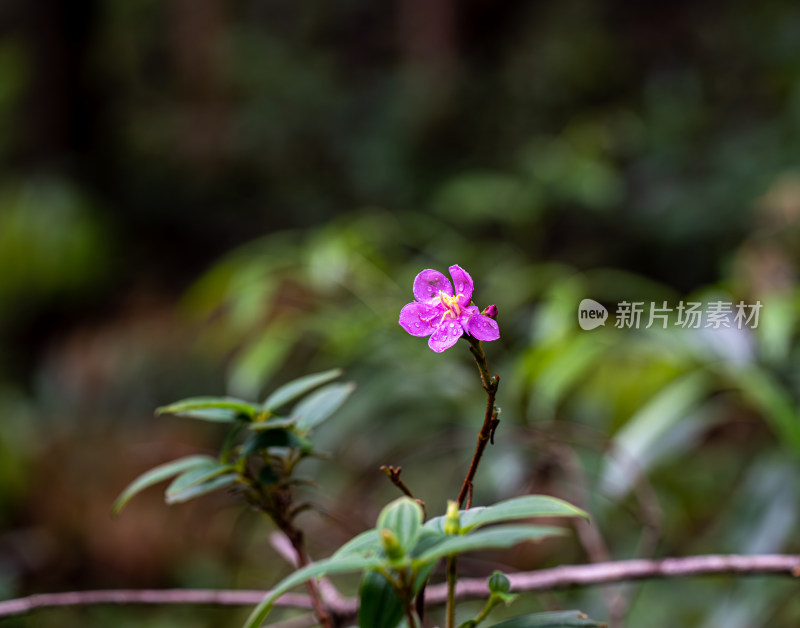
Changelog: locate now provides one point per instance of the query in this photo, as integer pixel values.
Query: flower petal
(446, 335)
(467, 313)
(428, 284)
(482, 327)
(463, 283)
(416, 318)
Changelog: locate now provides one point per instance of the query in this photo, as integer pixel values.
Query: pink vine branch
(566, 576)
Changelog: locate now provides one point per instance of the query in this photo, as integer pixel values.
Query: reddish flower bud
(490, 311)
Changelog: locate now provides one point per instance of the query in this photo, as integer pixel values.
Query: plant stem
(296, 539)
(410, 619)
(490, 420)
(393, 473)
(279, 510)
(490, 604)
(452, 576)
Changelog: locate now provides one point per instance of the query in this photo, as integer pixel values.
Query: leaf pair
(196, 475)
(309, 413)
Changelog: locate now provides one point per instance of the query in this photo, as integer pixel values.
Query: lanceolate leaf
(214, 415)
(272, 424)
(428, 539)
(403, 517)
(332, 565)
(517, 508)
(299, 387)
(318, 406)
(494, 538)
(216, 483)
(197, 475)
(380, 607)
(221, 409)
(422, 577)
(558, 619)
(156, 475)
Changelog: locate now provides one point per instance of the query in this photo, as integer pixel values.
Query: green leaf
(299, 387)
(427, 540)
(493, 538)
(380, 607)
(196, 475)
(557, 619)
(156, 475)
(318, 406)
(404, 517)
(197, 490)
(272, 424)
(331, 565)
(228, 446)
(422, 577)
(220, 409)
(366, 543)
(516, 508)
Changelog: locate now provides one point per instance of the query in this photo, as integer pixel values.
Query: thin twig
(490, 420)
(217, 597)
(566, 576)
(570, 576)
(393, 473)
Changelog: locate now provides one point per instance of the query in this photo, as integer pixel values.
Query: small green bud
(394, 551)
(452, 520)
(499, 583)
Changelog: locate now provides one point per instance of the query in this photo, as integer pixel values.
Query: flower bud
(452, 520)
(499, 583)
(490, 311)
(394, 551)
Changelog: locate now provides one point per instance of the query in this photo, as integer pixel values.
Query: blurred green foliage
(282, 171)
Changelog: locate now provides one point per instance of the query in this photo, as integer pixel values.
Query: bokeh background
(213, 197)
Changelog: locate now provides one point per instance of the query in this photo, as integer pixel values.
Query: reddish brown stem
(278, 506)
(296, 539)
(393, 473)
(490, 420)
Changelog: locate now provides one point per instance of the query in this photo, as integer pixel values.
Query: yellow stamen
(451, 303)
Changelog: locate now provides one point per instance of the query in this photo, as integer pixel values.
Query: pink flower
(443, 314)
